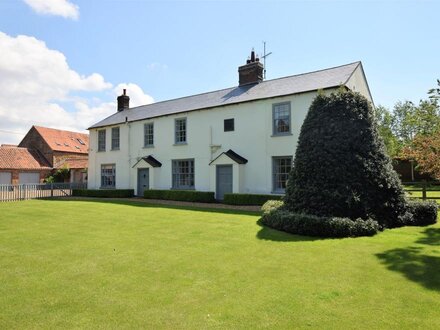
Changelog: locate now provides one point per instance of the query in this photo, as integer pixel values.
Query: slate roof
(301, 83)
(150, 160)
(233, 155)
(65, 141)
(22, 158)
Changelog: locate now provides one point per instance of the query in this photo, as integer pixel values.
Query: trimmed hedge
(424, 212)
(312, 225)
(106, 193)
(249, 199)
(180, 195)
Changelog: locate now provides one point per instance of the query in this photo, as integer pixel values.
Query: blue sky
(75, 56)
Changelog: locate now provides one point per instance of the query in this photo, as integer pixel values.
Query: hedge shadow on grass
(269, 234)
(414, 264)
(432, 237)
(138, 203)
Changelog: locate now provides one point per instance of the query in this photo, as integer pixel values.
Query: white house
(240, 139)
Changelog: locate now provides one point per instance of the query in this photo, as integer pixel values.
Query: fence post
(424, 190)
(51, 189)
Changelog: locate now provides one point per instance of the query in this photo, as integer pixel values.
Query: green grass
(82, 264)
(429, 194)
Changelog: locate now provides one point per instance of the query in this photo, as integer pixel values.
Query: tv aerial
(264, 59)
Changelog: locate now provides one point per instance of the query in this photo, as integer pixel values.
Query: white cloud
(37, 87)
(62, 8)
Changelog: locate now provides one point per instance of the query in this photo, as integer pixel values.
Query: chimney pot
(252, 56)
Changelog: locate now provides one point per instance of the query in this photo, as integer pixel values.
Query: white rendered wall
(358, 83)
(251, 139)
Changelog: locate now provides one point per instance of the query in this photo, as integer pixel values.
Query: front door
(224, 181)
(143, 181)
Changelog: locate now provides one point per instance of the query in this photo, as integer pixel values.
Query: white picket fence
(19, 192)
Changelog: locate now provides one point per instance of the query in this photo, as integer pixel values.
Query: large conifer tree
(341, 168)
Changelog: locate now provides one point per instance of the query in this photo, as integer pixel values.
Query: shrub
(106, 193)
(312, 225)
(341, 168)
(424, 212)
(249, 199)
(180, 195)
(271, 206)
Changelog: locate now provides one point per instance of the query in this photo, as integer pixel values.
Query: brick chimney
(123, 102)
(251, 72)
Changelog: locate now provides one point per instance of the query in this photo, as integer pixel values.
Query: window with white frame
(101, 140)
(281, 167)
(148, 135)
(183, 174)
(180, 131)
(281, 118)
(108, 176)
(115, 138)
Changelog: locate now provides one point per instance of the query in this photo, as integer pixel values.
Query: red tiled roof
(22, 158)
(66, 141)
(74, 163)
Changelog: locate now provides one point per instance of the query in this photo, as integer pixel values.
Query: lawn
(429, 194)
(83, 264)
(431, 191)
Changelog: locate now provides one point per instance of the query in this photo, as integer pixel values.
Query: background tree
(404, 121)
(425, 150)
(385, 122)
(409, 130)
(434, 93)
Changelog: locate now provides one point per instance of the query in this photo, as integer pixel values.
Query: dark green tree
(341, 168)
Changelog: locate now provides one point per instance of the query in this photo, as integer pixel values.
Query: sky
(64, 62)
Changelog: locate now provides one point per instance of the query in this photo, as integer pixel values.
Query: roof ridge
(12, 148)
(57, 129)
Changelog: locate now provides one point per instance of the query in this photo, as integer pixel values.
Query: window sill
(281, 134)
(115, 149)
(186, 188)
(101, 151)
(107, 188)
(149, 146)
(180, 144)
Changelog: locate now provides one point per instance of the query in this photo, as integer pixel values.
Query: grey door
(143, 181)
(5, 178)
(224, 180)
(28, 177)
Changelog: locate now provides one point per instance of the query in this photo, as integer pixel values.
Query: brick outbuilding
(42, 151)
